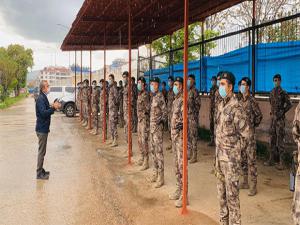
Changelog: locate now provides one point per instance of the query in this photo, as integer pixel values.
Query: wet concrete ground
(92, 184)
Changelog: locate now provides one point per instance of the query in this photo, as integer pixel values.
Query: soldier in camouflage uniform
(113, 111)
(134, 101)
(177, 138)
(121, 112)
(95, 107)
(296, 199)
(212, 97)
(231, 132)
(248, 154)
(194, 104)
(143, 113)
(85, 102)
(158, 115)
(78, 96)
(102, 110)
(280, 105)
(170, 99)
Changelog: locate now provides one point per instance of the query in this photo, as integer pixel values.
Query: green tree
(162, 44)
(24, 60)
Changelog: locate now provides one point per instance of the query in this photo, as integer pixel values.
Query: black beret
(228, 76)
(192, 76)
(112, 76)
(247, 80)
(102, 80)
(278, 76)
(155, 79)
(171, 78)
(179, 79)
(125, 73)
(142, 79)
(94, 81)
(219, 74)
(86, 81)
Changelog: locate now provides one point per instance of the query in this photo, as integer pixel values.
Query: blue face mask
(243, 89)
(275, 84)
(152, 89)
(175, 90)
(218, 83)
(139, 86)
(189, 83)
(222, 91)
(110, 82)
(170, 84)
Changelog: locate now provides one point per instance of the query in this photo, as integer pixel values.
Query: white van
(57, 92)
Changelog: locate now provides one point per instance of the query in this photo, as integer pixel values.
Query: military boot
(175, 195)
(244, 184)
(280, 165)
(84, 123)
(160, 180)
(145, 165)
(194, 157)
(153, 177)
(114, 143)
(252, 190)
(270, 161)
(141, 160)
(179, 202)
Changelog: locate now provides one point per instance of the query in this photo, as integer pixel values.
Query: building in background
(56, 76)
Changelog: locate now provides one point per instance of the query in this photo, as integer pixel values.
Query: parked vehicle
(68, 105)
(57, 92)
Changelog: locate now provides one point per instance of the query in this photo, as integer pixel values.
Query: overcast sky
(33, 23)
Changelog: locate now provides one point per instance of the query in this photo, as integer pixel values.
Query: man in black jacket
(43, 118)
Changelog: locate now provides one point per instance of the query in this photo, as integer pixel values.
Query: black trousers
(42, 151)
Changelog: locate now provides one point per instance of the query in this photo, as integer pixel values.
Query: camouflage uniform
(248, 154)
(176, 136)
(134, 104)
(125, 109)
(85, 104)
(113, 110)
(194, 104)
(212, 97)
(280, 104)
(143, 113)
(158, 115)
(170, 99)
(102, 112)
(121, 111)
(296, 199)
(231, 130)
(78, 97)
(95, 107)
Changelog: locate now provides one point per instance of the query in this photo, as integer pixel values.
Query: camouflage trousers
(95, 116)
(121, 119)
(212, 124)
(169, 120)
(143, 137)
(126, 123)
(134, 119)
(178, 158)
(85, 110)
(156, 148)
(228, 192)
(100, 123)
(277, 136)
(78, 104)
(192, 136)
(296, 200)
(248, 156)
(113, 123)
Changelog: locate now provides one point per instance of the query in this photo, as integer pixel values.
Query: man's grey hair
(43, 84)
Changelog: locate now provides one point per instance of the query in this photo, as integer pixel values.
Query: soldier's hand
(179, 126)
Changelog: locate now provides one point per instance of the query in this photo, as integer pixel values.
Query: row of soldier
(233, 119)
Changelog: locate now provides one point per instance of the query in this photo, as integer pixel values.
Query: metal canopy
(151, 19)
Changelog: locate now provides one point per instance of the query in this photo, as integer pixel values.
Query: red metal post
(104, 89)
(81, 82)
(129, 86)
(90, 89)
(185, 105)
(75, 90)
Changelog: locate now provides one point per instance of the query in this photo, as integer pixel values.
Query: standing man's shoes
(45, 172)
(42, 176)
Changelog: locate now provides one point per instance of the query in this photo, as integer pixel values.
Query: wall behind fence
(272, 58)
